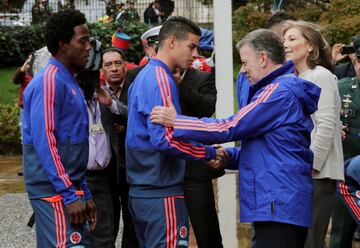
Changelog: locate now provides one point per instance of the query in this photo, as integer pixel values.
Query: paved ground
(14, 215)
(15, 211)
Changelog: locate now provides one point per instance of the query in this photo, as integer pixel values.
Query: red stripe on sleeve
(49, 95)
(162, 91)
(200, 125)
(349, 199)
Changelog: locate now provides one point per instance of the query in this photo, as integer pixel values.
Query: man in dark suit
(197, 98)
(108, 181)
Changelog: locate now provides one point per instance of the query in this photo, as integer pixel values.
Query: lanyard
(93, 112)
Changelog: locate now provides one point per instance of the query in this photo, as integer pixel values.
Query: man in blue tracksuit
(55, 139)
(275, 185)
(154, 172)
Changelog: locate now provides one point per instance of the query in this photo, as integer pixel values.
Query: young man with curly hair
(56, 137)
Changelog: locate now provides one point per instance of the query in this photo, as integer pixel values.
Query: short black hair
(277, 19)
(114, 49)
(60, 27)
(179, 27)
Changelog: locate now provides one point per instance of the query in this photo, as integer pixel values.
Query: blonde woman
(311, 54)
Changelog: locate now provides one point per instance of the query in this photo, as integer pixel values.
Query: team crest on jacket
(183, 232)
(75, 238)
(357, 194)
(73, 92)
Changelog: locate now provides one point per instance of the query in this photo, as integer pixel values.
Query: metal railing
(21, 14)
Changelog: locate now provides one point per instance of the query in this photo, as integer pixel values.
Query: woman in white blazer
(311, 54)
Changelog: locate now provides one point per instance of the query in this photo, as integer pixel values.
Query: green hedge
(9, 129)
(104, 32)
(16, 43)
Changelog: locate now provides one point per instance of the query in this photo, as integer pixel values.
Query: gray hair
(263, 40)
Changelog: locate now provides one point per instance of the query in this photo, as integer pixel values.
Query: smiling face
(297, 48)
(77, 50)
(113, 68)
(184, 51)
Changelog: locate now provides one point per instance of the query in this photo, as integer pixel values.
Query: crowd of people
(100, 138)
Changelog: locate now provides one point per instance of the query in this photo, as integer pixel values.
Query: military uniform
(343, 225)
(349, 88)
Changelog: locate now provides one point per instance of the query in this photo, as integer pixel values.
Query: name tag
(96, 129)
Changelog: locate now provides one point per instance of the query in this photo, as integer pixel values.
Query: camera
(89, 78)
(347, 50)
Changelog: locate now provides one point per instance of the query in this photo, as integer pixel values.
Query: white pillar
(227, 201)
(223, 59)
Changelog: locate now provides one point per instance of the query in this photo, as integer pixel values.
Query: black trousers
(342, 226)
(119, 189)
(103, 235)
(110, 193)
(323, 204)
(279, 235)
(199, 197)
(129, 239)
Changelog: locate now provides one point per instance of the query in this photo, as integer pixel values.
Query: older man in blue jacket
(275, 184)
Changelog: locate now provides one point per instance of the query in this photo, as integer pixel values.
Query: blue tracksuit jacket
(275, 159)
(242, 90)
(153, 169)
(55, 135)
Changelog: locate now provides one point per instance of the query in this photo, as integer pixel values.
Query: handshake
(221, 160)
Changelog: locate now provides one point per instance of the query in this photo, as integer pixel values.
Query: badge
(183, 232)
(96, 128)
(357, 194)
(354, 86)
(75, 238)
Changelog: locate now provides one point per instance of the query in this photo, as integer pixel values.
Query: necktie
(115, 91)
(99, 144)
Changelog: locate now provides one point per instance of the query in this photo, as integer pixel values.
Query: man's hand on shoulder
(164, 115)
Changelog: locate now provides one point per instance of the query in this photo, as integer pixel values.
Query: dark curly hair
(60, 27)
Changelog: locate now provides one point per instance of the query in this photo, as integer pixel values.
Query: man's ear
(63, 46)
(264, 59)
(171, 41)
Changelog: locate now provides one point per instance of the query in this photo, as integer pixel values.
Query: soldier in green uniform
(131, 13)
(343, 225)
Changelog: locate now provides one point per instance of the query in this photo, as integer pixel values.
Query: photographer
(340, 52)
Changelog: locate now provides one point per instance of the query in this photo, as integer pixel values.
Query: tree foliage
(9, 129)
(340, 19)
